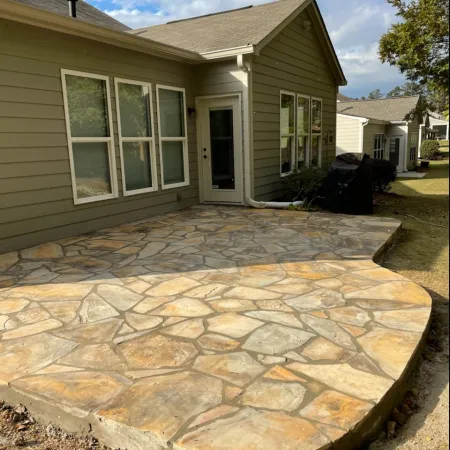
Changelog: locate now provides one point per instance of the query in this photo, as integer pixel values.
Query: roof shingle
(388, 109)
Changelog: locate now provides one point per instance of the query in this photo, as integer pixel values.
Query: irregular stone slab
(33, 315)
(41, 275)
(141, 322)
(82, 390)
(150, 303)
(64, 311)
(380, 274)
(276, 339)
(350, 315)
(190, 329)
(95, 308)
(323, 298)
(151, 249)
(104, 278)
(216, 342)
(254, 429)
(329, 283)
(6, 323)
(344, 378)
(295, 357)
(237, 368)
(104, 244)
(270, 360)
(274, 395)
(335, 409)
(329, 330)
(207, 291)
(185, 307)
(119, 297)
(381, 304)
(321, 350)
(391, 349)
(138, 374)
(44, 251)
(163, 406)
(173, 320)
(362, 362)
(28, 330)
(53, 292)
(92, 333)
(400, 291)
(312, 270)
(333, 434)
(230, 305)
(231, 392)
(173, 287)
(7, 260)
(224, 265)
(291, 288)
(156, 351)
(19, 358)
(274, 305)
(213, 414)
(406, 320)
(276, 316)
(354, 331)
(261, 281)
(12, 305)
(281, 374)
(233, 325)
(246, 293)
(97, 356)
(57, 368)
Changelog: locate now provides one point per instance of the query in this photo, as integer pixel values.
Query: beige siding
(293, 61)
(413, 128)
(348, 135)
(36, 201)
(370, 131)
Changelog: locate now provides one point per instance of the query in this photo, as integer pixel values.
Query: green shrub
(430, 150)
(305, 184)
(384, 173)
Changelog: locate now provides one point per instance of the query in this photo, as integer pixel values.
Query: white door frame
(235, 100)
(402, 150)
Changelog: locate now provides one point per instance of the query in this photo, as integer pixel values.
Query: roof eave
(229, 53)
(44, 19)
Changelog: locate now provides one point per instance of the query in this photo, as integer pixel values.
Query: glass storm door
(395, 144)
(220, 150)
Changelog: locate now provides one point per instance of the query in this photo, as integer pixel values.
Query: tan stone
(53, 292)
(320, 314)
(273, 305)
(329, 283)
(185, 307)
(141, 322)
(57, 368)
(400, 291)
(29, 330)
(12, 305)
(311, 271)
(158, 408)
(392, 349)
(237, 368)
(173, 287)
(274, 395)
(333, 434)
(247, 293)
(321, 350)
(354, 331)
(322, 298)
(155, 352)
(95, 308)
(150, 303)
(151, 249)
(335, 409)
(230, 228)
(213, 414)
(251, 429)
(291, 288)
(350, 315)
(216, 342)
(172, 321)
(138, 286)
(82, 390)
(232, 305)
(233, 325)
(92, 333)
(344, 378)
(119, 297)
(380, 274)
(263, 280)
(276, 316)
(104, 244)
(407, 320)
(33, 315)
(44, 251)
(190, 329)
(281, 374)
(138, 374)
(315, 388)
(7, 260)
(97, 356)
(207, 291)
(64, 311)
(231, 392)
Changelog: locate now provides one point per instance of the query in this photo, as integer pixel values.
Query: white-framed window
(173, 139)
(135, 123)
(90, 136)
(303, 129)
(378, 146)
(287, 132)
(315, 158)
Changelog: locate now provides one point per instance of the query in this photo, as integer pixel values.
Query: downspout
(363, 125)
(248, 121)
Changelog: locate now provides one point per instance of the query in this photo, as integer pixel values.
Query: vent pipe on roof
(73, 8)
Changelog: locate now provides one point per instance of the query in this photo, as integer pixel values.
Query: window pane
(92, 173)
(303, 116)
(87, 102)
(173, 162)
(134, 104)
(287, 114)
(316, 116)
(302, 150)
(136, 159)
(171, 111)
(286, 154)
(315, 150)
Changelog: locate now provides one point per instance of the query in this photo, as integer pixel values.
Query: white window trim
(184, 139)
(316, 134)
(291, 135)
(382, 146)
(109, 140)
(149, 139)
(308, 147)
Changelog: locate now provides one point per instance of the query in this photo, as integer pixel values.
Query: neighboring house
(379, 128)
(343, 98)
(99, 126)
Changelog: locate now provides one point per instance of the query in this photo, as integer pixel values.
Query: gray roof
(388, 109)
(85, 12)
(344, 98)
(230, 29)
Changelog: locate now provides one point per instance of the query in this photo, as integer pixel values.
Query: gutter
(248, 144)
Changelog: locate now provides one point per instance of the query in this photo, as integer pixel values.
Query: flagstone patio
(212, 328)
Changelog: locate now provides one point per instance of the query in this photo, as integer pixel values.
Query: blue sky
(355, 27)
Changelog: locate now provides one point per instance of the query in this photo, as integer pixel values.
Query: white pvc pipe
(274, 205)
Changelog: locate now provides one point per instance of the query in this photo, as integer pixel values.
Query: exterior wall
(293, 61)
(348, 135)
(413, 128)
(370, 130)
(36, 203)
(399, 130)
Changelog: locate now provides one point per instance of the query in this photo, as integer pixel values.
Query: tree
(409, 89)
(419, 44)
(376, 95)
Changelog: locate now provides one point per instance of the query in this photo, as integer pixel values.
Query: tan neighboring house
(379, 128)
(100, 126)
